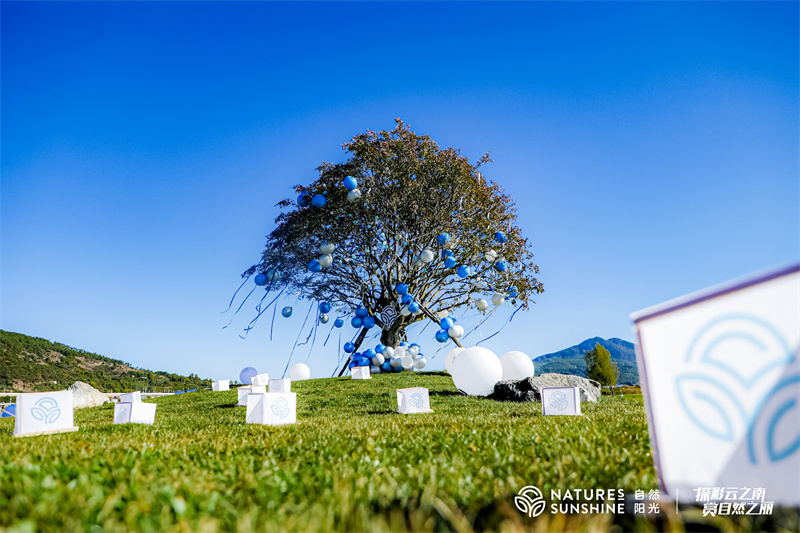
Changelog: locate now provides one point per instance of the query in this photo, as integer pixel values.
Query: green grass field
(351, 463)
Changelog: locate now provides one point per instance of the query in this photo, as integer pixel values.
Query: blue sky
(652, 149)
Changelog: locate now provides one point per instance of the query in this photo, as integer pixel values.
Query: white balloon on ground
(419, 363)
(455, 331)
(482, 304)
(299, 372)
(516, 366)
(476, 370)
(325, 260)
(413, 350)
(388, 353)
(395, 361)
(448, 360)
(407, 361)
(247, 374)
(498, 299)
(378, 359)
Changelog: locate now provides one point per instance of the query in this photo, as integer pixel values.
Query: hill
(570, 360)
(30, 364)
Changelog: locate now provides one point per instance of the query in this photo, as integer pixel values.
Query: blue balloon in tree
(401, 288)
(302, 200)
(413, 307)
(406, 298)
(368, 322)
(260, 280)
(501, 266)
(446, 322)
(314, 265)
(286, 312)
(500, 236)
(318, 200)
(463, 271)
(338, 323)
(450, 261)
(443, 239)
(442, 335)
(361, 312)
(324, 307)
(349, 347)
(513, 292)
(356, 322)
(350, 183)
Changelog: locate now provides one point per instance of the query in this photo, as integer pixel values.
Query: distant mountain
(571, 360)
(33, 364)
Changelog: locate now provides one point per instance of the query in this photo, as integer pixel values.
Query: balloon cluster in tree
(402, 231)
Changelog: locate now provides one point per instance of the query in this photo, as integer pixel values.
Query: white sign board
(361, 372)
(260, 379)
(134, 413)
(221, 385)
(561, 401)
(272, 409)
(721, 382)
(129, 397)
(41, 413)
(243, 392)
(280, 385)
(413, 400)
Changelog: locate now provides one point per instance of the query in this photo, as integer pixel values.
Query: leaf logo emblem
(558, 400)
(530, 501)
(416, 400)
(280, 408)
(388, 316)
(46, 410)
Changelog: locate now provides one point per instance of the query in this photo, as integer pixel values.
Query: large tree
(414, 204)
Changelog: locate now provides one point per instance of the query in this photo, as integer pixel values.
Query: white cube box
(260, 379)
(134, 413)
(413, 400)
(221, 385)
(280, 385)
(130, 397)
(272, 409)
(42, 413)
(561, 401)
(361, 372)
(243, 392)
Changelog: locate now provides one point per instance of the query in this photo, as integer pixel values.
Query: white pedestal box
(243, 392)
(280, 385)
(413, 400)
(361, 372)
(221, 385)
(561, 401)
(134, 413)
(42, 413)
(260, 379)
(273, 409)
(130, 397)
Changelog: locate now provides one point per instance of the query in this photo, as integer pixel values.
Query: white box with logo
(243, 391)
(274, 409)
(280, 385)
(134, 413)
(361, 372)
(221, 385)
(413, 400)
(260, 379)
(721, 382)
(129, 397)
(561, 401)
(42, 413)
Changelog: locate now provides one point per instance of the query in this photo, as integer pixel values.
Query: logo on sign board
(280, 408)
(558, 400)
(530, 501)
(731, 359)
(46, 410)
(388, 316)
(416, 400)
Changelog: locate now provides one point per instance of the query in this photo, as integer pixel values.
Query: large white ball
(247, 374)
(476, 370)
(516, 366)
(448, 360)
(455, 331)
(299, 372)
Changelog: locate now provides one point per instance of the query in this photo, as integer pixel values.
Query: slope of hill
(570, 360)
(33, 364)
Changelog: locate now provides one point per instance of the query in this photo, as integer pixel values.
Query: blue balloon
(404, 343)
(446, 322)
(513, 292)
(398, 368)
(352, 364)
(413, 307)
(368, 322)
(370, 353)
(442, 335)
(386, 366)
(446, 253)
(450, 262)
(463, 271)
(350, 183)
(500, 236)
(380, 348)
(338, 323)
(324, 307)
(414, 344)
(501, 266)
(401, 288)
(302, 200)
(260, 280)
(406, 298)
(361, 312)
(363, 361)
(319, 201)
(314, 266)
(356, 322)
(286, 311)
(349, 347)
(443, 239)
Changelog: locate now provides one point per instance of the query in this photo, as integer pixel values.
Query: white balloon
(299, 372)
(353, 195)
(404, 310)
(378, 359)
(327, 248)
(374, 369)
(388, 352)
(448, 360)
(498, 299)
(400, 351)
(481, 304)
(442, 314)
(325, 260)
(418, 263)
(420, 362)
(476, 370)
(323, 318)
(455, 331)
(394, 361)
(413, 350)
(426, 256)
(516, 366)
(407, 361)
(490, 256)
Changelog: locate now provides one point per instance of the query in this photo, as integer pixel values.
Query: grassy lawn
(350, 463)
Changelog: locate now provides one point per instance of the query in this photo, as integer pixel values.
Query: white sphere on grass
(476, 370)
(299, 372)
(516, 366)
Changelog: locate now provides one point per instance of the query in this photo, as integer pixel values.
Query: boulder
(84, 395)
(529, 390)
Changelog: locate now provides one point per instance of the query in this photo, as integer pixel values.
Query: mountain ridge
(571, 360)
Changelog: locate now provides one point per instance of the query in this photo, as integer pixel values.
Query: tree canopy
(399, 210)
(599, 366)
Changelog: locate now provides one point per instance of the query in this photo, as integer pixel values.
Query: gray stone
(84, 395)
(529, 390)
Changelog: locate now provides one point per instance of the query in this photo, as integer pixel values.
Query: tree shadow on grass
(446, 393)
(226, 406)
(383, 412)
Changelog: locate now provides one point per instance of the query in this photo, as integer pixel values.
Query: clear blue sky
(652, 149)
